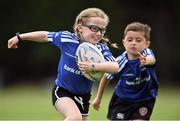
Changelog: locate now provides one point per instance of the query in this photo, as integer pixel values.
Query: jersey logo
(120, 116)
(143, 111)
(138, 80)
(80, 101)
(127, 74)
(72, 70)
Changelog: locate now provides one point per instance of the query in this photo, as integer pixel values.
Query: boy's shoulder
(147, 52)
(122, 56)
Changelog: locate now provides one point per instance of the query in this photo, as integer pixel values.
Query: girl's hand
(86, 65)
(12, 43)
(96, 103)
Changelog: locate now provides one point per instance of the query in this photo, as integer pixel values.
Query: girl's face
(134, 42)
(92, 30)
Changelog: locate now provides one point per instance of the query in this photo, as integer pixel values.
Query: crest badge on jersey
(143, 111)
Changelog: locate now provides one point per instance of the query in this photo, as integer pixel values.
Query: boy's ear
(148, 43)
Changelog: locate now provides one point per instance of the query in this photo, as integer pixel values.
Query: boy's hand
(146, 60)
(96, 104)
(142, 59)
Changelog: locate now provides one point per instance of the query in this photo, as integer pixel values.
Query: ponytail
(106, 41)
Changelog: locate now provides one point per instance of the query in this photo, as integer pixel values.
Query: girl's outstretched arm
(38, 36)
(110, 66)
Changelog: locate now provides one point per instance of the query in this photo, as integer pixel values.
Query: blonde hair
(90, 12)
(93, 12)
(140, 27)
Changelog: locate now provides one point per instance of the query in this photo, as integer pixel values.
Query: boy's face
(134, 42)
(93, 29)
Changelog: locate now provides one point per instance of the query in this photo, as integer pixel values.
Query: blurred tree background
(36, 62)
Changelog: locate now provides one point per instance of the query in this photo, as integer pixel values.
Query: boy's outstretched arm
(97, 100)
(38, 36)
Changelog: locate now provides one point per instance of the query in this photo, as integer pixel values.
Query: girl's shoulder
(63, 34)
(68, 34)
(102, 46)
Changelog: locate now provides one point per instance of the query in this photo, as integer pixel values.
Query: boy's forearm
(101, 88)
(38, 36)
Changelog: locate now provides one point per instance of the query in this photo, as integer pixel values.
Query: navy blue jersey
(69, 75)
(136, 82)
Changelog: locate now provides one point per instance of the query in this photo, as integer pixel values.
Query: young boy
(135, 93)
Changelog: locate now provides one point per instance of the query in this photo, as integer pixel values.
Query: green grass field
(34, 103)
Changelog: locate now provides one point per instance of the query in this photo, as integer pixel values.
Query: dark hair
(137, 26)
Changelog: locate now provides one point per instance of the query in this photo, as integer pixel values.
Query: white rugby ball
(94, 54)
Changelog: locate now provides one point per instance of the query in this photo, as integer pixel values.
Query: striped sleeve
(106, 52)
(57, 38)
(122, 60)
(147, 52)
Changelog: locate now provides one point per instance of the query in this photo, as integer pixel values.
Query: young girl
(135, 93)
(72, 91)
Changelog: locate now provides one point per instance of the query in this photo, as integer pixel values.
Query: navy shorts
(123, 110)
(82, 101)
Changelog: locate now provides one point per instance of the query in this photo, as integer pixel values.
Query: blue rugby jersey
(69, 75)
(136, 82)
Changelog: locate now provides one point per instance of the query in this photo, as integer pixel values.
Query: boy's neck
(132, 57)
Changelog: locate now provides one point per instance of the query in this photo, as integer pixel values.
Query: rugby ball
(94, 54)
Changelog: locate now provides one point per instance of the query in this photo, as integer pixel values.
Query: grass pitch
(34, 103)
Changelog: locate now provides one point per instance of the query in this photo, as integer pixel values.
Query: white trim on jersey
(50, 36)
(109, 76)
(121, 66)
(68, 40)
(80, 101)
(110, 58)
(55, 93)
(147, 52)
(65, 36)
(101, 47)
(50, 39)
(121, 60)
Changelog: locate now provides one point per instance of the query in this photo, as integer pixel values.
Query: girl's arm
(38, 36)
(97, 100)
(111, 67)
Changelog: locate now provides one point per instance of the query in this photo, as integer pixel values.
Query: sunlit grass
(27, 103)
